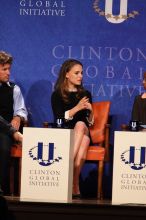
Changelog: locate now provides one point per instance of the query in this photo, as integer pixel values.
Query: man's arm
(20, 112)
(19, 104)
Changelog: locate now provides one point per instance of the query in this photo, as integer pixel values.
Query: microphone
(59, 123)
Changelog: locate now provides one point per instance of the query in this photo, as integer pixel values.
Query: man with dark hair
(12, 113)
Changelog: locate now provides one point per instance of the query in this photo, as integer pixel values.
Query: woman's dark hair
(61, 83)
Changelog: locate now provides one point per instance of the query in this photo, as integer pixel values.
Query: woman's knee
(81, 127)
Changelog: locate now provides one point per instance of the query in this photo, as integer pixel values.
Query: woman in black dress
(139, 105)
(72, 103)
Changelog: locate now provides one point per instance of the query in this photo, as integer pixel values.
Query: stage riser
(74, 211)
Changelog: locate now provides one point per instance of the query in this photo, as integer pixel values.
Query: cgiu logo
(135, 157)
(123, 11)
(44, 154)
(122, 16)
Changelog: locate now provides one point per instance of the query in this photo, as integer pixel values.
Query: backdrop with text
(107, 36)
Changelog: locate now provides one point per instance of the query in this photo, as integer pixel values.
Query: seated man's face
(4, 72)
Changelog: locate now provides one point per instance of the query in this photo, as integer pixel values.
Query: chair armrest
(45, 124)
(107, 133)
(25, 123)
(124, 127)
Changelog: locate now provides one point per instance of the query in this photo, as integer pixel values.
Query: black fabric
(6, 101)
(139, 110)
(6, 132)
(5, 146)
(59, 107)
(6, 127)
(3, 209)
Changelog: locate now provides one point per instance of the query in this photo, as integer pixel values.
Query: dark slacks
(5, 149)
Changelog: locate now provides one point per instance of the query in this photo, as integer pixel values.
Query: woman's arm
(135, 110)
(57, 105)
(90, 117)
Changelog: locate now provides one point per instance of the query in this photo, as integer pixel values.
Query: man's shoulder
(12, 84)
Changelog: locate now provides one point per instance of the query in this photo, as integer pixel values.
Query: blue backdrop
(107, 36)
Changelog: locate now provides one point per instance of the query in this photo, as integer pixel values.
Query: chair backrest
(101, 114)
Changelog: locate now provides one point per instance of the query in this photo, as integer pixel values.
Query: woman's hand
(84, 104)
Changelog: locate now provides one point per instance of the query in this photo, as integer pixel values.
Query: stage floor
(92, 201)
(77, 209)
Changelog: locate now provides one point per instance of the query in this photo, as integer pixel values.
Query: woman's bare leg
(81, 144)
(80, 130)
